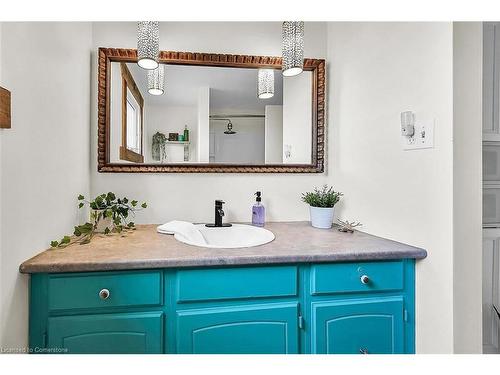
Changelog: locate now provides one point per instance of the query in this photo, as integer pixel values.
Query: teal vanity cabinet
(343, 307)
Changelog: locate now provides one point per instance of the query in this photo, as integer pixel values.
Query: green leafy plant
(104, 206)
(158, 147)
(324, 197)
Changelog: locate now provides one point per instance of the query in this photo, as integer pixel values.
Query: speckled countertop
(296, 242)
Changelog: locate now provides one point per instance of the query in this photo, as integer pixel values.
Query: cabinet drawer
(356, 277)
(236, 283)
(84, 291)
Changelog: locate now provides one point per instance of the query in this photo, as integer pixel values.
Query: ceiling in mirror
(229, 87)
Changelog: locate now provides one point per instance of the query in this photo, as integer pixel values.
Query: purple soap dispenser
(258, 211)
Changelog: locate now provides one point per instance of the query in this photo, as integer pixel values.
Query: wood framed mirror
(231, 127)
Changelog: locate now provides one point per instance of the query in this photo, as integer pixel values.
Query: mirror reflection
(206, 114)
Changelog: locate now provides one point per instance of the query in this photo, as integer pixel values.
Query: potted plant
(158, 147)
(108, 214)
(321, 204)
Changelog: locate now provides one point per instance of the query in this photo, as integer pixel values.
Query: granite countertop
(296, 242)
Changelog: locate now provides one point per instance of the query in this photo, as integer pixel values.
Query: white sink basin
(236, 236)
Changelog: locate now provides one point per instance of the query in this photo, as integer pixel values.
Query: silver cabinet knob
(363, 351)
(364, 279)
(104, 294)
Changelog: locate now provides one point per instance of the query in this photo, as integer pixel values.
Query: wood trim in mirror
(108, 55)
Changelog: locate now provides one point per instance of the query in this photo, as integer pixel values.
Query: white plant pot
(321, 217)
(103, 223)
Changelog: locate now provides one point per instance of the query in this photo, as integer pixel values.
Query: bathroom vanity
(308, 291)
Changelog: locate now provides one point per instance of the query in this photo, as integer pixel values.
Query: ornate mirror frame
(108, 55)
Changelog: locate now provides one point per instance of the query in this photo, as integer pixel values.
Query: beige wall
(45, 156)
(467, 185)
(376, 71)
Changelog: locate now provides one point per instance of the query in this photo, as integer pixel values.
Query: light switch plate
(422, 138)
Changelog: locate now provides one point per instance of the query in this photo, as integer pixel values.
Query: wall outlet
(422, 138)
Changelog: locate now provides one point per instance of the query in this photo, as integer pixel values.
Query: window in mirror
(132, 117)
(133, 124)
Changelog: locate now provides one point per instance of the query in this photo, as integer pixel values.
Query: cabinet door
(362, 326)
(252, 329)
(107, 333)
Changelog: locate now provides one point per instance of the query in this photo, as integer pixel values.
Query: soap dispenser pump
(258, 211)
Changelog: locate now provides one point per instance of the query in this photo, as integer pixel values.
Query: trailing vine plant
(104, 206)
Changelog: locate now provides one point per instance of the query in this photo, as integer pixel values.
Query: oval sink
(236, 236)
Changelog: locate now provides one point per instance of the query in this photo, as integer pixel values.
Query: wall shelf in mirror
(186, 147)
(284, 133)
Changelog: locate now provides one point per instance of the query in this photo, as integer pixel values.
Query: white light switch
(422, 138)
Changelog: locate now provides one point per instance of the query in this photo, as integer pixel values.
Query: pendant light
(148, 44)
(266, 83)
(156, 80)
(293, 48)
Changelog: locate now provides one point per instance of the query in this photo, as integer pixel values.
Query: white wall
(377, 70)
(274, 134)
(281, 193)
(297, 118)
(203, 128)
(46, 153)
(467, 185)
(244, 147)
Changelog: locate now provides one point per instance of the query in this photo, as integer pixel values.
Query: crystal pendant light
(148, 44)
(156, 80)
(293, 48)
(266, 83)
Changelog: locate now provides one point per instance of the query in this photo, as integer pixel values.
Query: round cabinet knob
(104, 294)
(364, 279)
(363, 351)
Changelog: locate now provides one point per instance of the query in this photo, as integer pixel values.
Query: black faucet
(219, 213)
